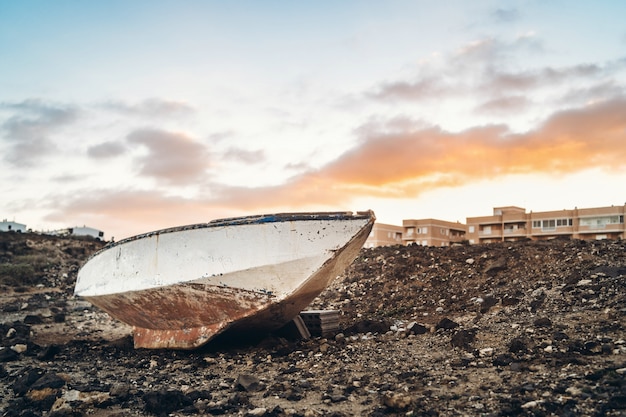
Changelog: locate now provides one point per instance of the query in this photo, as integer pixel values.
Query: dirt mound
(526, 328)
(35, 260)
(423, 283)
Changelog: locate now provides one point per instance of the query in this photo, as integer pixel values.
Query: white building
(80, 231)
(7, 226)
(87, 231)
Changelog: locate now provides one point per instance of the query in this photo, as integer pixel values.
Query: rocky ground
(526, 328)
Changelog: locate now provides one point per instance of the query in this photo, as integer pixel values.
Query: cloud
(487, 68)
(117, 203)
(106, 150)
(221, 136)
(245, 156)
(593, 93)
(504, 105)
(427, 88)
(505, 15)
(151, 107)
(67, 178)
(568, 141)
(405, 164)
(533, 79)
(134, 211)
(29, 131)
(395, 161)
(171, 157)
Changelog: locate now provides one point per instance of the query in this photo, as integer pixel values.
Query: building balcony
(603, 228)
(490, 234)
(515, 232)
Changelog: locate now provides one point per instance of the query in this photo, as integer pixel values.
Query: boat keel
(176, 338)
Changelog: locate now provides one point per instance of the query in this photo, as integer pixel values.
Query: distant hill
(30, 259)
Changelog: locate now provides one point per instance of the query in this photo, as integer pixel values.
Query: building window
(410, 231)
(545, 224)
(471, 230)
(564, 222)
(548, 224)
(487, 230)
(422, 230)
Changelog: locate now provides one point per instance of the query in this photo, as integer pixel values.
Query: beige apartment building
(507, 223)
(513, 223)
(384, 235)
(432, 232)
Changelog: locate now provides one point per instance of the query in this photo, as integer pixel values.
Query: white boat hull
(181, 287)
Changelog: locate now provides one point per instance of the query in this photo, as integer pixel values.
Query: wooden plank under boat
(182, 286)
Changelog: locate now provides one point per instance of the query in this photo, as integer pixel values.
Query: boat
(180, 287)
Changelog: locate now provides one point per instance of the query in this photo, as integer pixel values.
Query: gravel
(533, 328)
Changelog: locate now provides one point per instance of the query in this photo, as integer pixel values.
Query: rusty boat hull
(181, 287)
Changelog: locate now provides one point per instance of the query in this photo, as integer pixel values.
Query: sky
(133, 116)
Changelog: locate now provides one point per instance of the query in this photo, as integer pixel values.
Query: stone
(8, 355)
(48, 380)
(249, 383)
(446, 324)
(463, 339)
(33, 319)
(416, 328)
(542, 322)
(518, 345)
(502, 360)
(508, 301)
(257, 412)
(499, 264)
(48, 352)
(531, 404)
(24, 381)
(119, 390)
(163, 402)
(487, 303)
(19, 347)
(42, 395)
(397, 401)
(486, 352)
